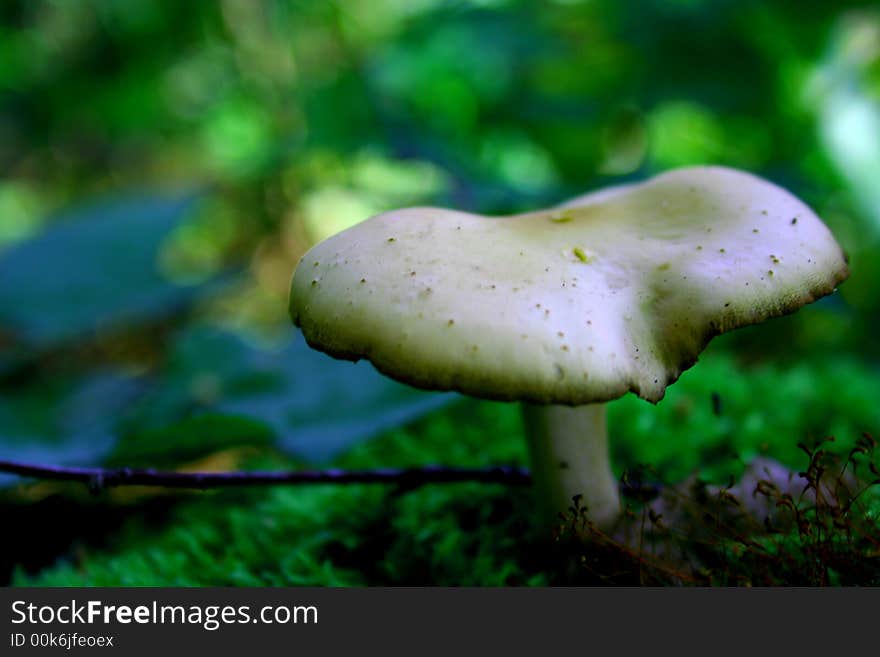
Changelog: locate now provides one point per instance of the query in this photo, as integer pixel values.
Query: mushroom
(568, 308)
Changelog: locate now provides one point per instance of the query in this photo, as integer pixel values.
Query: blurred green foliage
(204, 146)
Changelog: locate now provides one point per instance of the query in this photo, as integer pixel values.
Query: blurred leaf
(95, 268)
(316, 406)
(20, 206)
(624, 142)
(685, 133)
(237, 138)
(330, 210)
(517, 161)
(190, 438)
(848, 114)
(64, 422)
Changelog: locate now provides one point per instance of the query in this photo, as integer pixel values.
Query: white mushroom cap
(617, 291)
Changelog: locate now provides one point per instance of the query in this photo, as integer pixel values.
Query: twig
(405, 478)
(99, 478)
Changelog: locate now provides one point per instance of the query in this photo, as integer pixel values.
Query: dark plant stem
(404, 478)
(99, 478)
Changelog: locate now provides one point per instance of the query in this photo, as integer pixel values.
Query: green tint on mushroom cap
(617, 292)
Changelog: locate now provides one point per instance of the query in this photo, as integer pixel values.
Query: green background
(163, 166)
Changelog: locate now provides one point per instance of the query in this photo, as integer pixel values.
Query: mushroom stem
(568, 447)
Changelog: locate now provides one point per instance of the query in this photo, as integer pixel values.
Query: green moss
(762, 409)
(470, 534)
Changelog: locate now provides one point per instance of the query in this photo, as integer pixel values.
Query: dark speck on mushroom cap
(646, 302)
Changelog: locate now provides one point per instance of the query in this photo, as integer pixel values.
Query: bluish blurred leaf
(71, 422)
(94, 268)
(317, 406)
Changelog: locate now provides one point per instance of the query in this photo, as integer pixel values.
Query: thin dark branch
(405, 478)
(98, 478)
